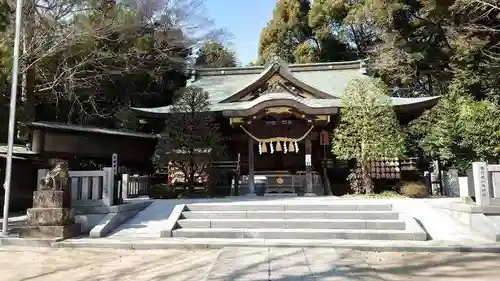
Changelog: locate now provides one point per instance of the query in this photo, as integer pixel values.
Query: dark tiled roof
(89, 129)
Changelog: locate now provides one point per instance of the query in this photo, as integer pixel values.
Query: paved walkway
(242, 264)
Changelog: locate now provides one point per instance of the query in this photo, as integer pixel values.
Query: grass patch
(385, 194)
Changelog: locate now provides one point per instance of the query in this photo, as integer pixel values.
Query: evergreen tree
(213, 54)
(368, 129)
(459, 130)
(300, 32)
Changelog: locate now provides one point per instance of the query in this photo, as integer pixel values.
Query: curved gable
(279, 76)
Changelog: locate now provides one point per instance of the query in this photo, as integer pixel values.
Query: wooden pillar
(251, 159)
(309, 185)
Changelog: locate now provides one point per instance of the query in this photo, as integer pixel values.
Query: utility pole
(12, 115)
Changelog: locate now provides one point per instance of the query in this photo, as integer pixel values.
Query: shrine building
(276, 119)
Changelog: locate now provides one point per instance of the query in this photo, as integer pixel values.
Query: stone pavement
(249, 264)
(243, 264)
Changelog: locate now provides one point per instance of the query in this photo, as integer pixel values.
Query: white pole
(12, 116)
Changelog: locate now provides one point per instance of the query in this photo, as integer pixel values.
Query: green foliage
(438, 131)
(191, 138)
(326, 30)
(213, 54)
(368, 128)
(384, 194)
(5, 14)
(479, 125)
(459, 130)
(429, 43)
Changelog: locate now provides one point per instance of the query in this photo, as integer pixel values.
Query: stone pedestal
(50, 231)
(51, 215)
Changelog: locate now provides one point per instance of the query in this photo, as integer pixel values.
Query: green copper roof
(226, 86)
(330, 78)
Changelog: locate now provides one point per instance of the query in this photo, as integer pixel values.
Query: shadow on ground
(243, 264)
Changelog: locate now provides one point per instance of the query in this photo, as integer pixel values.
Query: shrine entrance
(280, 158)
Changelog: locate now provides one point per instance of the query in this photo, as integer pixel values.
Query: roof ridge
(316, 66)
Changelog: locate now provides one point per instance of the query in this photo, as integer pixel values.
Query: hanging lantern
(291, 147)
(285, 147)
(271, 146)
(296, 147)
(278, 146)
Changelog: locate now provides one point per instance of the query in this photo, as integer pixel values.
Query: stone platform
(48, 231)
(50, 217)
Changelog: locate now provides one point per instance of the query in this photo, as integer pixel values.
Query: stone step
(280, 233)
(289, 207)
(293, 223)
(364, 215)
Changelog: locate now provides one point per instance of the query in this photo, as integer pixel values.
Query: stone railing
(482, 183)
(134, 186)
(90, 188)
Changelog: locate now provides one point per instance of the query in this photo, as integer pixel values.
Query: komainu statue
(57, 178)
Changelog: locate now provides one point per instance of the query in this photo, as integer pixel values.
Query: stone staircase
(292, 221)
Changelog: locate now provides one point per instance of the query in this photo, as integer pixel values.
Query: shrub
(385, 194)
(414, 189)
(162, 191)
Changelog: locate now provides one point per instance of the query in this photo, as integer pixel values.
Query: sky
(244, 19)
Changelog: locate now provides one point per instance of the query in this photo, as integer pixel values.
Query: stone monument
(51, 215)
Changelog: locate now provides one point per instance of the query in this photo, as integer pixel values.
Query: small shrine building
(276, 118)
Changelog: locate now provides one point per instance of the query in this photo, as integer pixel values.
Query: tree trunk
(191, 177)
(367, 179)
(190, 186)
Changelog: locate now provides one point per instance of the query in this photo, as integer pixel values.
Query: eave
(87, 129)
(310, 106)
